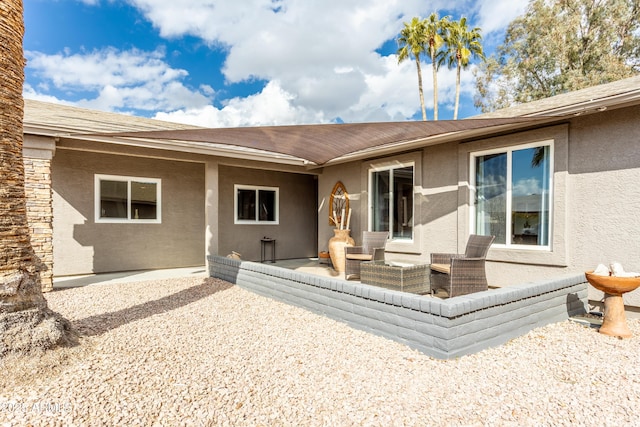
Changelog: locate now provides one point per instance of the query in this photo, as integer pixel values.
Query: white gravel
(203, 352)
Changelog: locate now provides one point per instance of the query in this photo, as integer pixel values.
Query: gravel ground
(203, 352)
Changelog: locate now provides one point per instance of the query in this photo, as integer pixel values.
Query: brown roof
(321, 143)
(324, 142)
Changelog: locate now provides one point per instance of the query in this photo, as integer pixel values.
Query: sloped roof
(321, 143)
(595, 98)
(324, 142)
(58, 119)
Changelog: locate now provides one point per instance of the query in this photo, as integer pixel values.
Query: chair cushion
(360, 257)
(442, 268)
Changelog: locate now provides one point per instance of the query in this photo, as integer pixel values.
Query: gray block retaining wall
(443, 329)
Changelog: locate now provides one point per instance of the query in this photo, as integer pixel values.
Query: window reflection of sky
(527, 177)
(491, 175)
(513, 205)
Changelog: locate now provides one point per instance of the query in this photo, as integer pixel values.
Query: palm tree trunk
(435, 83)
(424, 111)
(455, 110)
(26, 323)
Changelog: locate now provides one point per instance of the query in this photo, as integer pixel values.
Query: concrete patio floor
(310, 266)
(306, 265)
(128, 276)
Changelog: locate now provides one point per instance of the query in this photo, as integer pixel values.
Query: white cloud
(496, 15)
(133, 79)
(528, 186)
(323, 51)
(30, 93)
(318, 58)
(271, 106)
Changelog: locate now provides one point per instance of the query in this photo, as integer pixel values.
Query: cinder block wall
(443, 329)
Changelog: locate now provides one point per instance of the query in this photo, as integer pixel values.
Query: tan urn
(337, 244)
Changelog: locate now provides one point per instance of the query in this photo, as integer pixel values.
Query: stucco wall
(439, 199)
(349, 175)
(605, 192)
(81, 246)
(296, 232)
(355, 177)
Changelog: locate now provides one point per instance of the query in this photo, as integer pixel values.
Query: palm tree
(26, 323)
(435, 28)
(460, 45)
(412, 42)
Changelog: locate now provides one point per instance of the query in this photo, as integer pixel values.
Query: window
(127, 199)
(391, 201)
(256, 205)
(512, 195)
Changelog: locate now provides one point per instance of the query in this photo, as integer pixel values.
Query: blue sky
(223, 63)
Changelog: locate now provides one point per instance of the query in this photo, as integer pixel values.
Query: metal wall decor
(338, 204)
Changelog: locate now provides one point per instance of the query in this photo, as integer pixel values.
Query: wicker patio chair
(373, 243)
(461, 274)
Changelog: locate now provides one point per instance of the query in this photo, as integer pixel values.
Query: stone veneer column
(37, 154)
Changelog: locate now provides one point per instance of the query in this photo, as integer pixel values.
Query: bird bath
(615, 321)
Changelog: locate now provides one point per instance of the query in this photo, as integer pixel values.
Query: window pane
(380, 197)
(113, 199)
(491, 196)
(247, 205)
(144, 200)
(403, 203)
(530, 201)
(267, 200)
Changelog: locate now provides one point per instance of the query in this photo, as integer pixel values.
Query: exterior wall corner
(37, 155)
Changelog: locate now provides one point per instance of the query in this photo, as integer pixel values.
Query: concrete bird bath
(615, 321)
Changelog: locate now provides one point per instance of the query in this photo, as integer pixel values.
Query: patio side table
(264, 242)
(397, 275)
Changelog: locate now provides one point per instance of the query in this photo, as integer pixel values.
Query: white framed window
(127, 199)
(391, 200)
(256, 205)
(511, 195)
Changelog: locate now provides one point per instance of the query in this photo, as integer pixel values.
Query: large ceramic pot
(337, 244)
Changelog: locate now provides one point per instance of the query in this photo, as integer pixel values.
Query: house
(554, 180)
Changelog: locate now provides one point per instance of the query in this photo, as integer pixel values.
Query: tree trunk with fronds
(26, 322)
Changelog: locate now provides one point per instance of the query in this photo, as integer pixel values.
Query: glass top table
(405, 276)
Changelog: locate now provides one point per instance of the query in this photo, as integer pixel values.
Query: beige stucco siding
(349, 175)
(83, 246)
(439, 199)
(295, 233)
(605, 192)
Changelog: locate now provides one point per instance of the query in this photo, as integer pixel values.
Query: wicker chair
(372, 248)
(461, 274)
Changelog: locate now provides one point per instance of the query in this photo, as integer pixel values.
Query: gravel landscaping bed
(200, 351)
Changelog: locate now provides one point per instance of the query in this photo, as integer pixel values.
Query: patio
(443, 329)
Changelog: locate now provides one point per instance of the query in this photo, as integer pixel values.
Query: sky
(226, 63)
